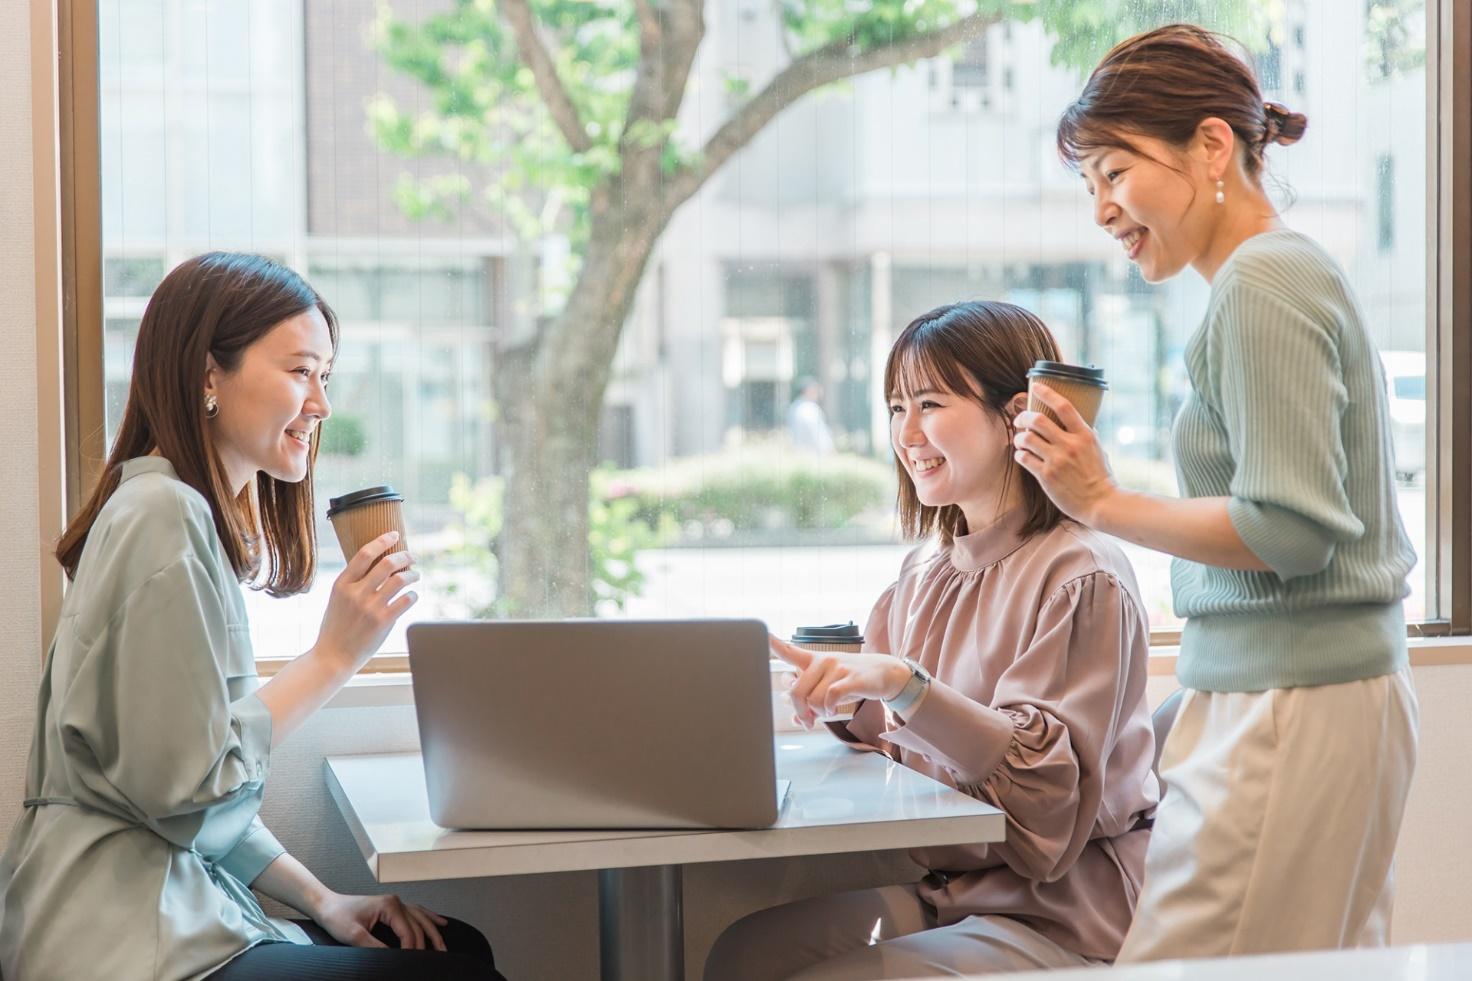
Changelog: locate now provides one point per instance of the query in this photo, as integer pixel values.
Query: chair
(1162, 719)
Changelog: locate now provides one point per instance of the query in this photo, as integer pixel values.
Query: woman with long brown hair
(1288, 767)
(140, 844)
(1007, 661)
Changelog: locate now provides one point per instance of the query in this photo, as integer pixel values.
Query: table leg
(641, 925)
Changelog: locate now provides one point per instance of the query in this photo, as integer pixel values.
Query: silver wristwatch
(914, 689)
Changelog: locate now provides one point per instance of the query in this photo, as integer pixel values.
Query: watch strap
(914, 690)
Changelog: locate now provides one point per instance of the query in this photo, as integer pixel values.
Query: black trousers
(467, 958)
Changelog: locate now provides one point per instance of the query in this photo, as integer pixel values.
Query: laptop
(573, 724)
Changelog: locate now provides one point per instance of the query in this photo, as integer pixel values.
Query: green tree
(572, 104)
(344, 435)
(1395, 37)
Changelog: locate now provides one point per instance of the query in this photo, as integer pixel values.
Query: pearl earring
(1221, 195)
(211, 406)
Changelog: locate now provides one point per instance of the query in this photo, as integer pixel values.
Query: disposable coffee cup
(363, 515)
(1083, 385)
(834, 637)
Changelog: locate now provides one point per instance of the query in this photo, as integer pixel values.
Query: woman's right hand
(826, 680)
(367, 599)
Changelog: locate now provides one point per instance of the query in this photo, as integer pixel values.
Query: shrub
(761, 488)
(616, 535)
(344, 435)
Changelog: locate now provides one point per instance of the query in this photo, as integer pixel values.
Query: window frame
(69, 255)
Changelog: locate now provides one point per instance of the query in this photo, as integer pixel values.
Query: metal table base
(641, 924)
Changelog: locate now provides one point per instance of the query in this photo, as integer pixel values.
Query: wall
(20, 635)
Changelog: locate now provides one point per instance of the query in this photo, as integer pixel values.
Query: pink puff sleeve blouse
(1038, 651)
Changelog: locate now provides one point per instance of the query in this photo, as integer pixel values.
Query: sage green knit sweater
(1288, 419)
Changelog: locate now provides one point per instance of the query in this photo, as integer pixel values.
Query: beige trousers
(871, 934)
(1278, 827)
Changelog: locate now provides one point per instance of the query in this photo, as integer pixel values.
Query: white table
(840, 801)
(1437, 962)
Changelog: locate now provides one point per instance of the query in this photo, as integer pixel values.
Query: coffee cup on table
(843, 638)
(1082, 385)
(363, 515)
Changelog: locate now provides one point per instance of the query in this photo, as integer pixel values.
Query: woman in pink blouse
(1009, 662)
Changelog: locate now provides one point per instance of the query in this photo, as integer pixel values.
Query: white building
(242, 125)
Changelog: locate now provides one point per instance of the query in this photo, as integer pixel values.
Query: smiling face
(1156, 201)
(954, 449)
(270, 406)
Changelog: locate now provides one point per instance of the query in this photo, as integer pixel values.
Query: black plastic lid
(1087, 374)
(368, 495)
(833, 633)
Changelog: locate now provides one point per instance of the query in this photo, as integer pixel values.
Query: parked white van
(1405, 382)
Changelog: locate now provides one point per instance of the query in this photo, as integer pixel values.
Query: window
(1385, 203)
(1270, 67)
(964, 83)
(455, 243)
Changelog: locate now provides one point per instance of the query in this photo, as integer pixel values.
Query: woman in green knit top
(1289, 764)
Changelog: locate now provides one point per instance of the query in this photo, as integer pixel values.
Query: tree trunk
(551, 399)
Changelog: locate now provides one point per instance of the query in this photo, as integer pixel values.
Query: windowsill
(374, 690)
(1426, 652)
(371, 690)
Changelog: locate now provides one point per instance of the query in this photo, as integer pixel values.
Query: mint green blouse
(139, 838)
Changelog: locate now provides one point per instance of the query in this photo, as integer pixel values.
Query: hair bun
(1282, 126)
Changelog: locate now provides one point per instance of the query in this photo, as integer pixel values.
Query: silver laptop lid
(595, 723)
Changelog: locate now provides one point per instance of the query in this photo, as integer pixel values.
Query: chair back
(1162, 719)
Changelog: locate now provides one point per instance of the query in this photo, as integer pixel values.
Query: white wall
(543, 927)
(20, 597)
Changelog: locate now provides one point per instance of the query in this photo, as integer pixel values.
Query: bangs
(1075, 140)
(1079, 136)
(918, 364)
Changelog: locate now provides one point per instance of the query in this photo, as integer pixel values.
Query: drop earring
(211, 406)
(1221, 194)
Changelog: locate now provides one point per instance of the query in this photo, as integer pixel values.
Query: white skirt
(1278, 827)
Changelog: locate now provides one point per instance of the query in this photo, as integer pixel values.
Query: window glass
(433, 202)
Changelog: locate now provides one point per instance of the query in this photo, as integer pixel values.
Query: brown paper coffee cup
(363, 515)
(1084, 386)
(839, 638)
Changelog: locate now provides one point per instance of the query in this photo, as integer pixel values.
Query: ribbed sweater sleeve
(1277, 375)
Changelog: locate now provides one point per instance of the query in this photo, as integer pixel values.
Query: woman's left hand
(1067, 460)
(351, 919)
(826, 680)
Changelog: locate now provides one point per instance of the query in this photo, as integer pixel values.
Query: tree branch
(649, 29)
(519, 16)
(670, 32)
(823, 66)
(649, 81)
(686, 31)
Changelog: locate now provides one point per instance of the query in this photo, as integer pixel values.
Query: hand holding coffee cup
(1056, 443)
(366, 601)
(1082, 385)
(363, 515)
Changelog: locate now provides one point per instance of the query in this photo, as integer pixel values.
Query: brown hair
(1163, 84)
(215, 304)
(980, 350)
